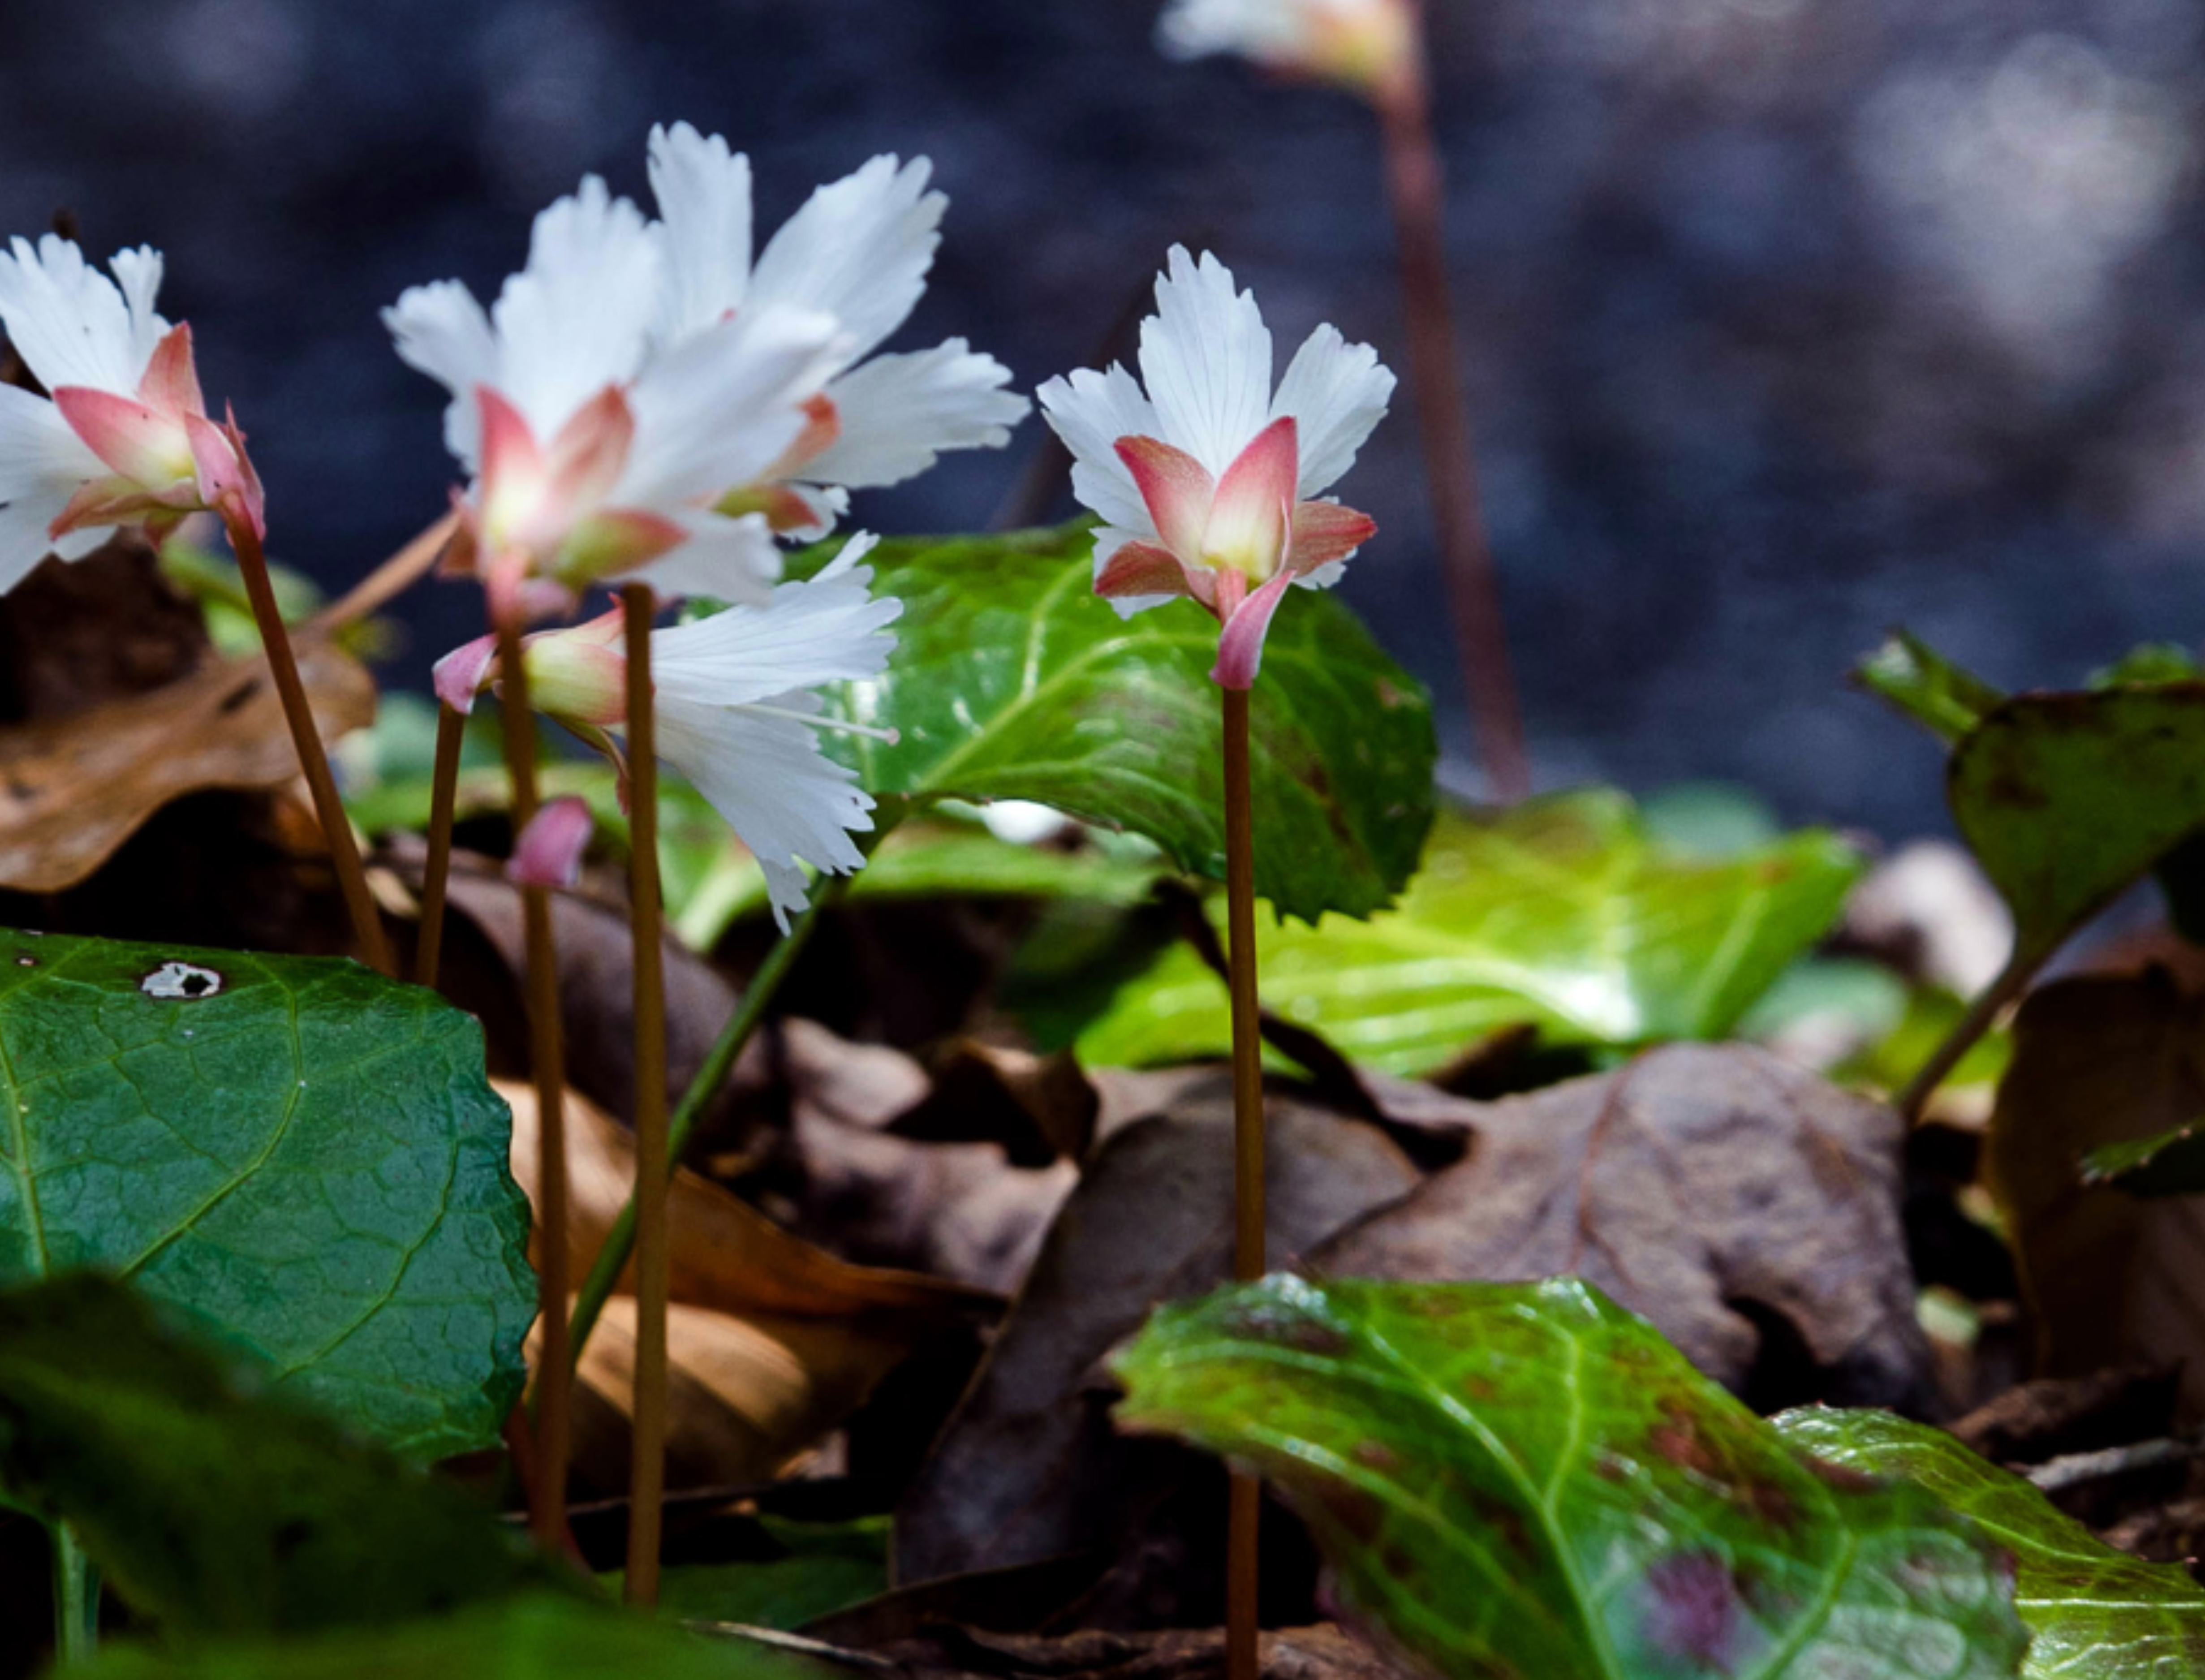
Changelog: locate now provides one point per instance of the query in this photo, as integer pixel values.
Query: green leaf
(2171, 1164)
(300, 1152)
(1012, 681)
(2154, 663)
(2095, 1613)
(1525, 1480)
(526, 1639)
(1560, 913)
(823, 1567)
(1928, 687)
(212, 1504)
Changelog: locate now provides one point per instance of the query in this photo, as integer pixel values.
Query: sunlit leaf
(304, 1154)
(1561, 913)
(2095, 1613)
(1928, 687)
(1523, 1479)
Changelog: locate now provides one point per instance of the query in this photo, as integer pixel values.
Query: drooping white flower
(125, 440)
(1366, 45)
(735, 708)
(596, 448)
(859, 251)
(1206, 481)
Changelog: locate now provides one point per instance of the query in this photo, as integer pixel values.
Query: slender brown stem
(1240, 1558)
(647, 1475)
(547, 1500)
(1414, 180)
(436, 873)
(1983, 1014)
(329, 807)
(388, 580)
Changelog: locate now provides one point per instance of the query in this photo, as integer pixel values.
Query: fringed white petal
(899, 414)
(1206, 359)
(858, 250)
(578, 318)
(703, 193)
(715, 411)
(831, 629)
(441, 330)
(40, 455)
(1266, 30)
(137, 271)
(765, 774)
(721, 559)
(1337, 393)
(1090, 411)
(70, 324)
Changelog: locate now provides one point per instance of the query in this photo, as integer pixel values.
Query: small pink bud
(459, 676)
(549, 853)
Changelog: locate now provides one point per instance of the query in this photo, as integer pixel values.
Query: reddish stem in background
(647, 1473)
(437, 872)
(547, 1492)
(1240, 1557)
(299, 713)
(1414, 180)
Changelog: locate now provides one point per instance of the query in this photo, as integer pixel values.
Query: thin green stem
(76, 1600)
(1981, 1016)
(620, 1242)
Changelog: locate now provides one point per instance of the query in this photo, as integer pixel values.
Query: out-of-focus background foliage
(1788, 318)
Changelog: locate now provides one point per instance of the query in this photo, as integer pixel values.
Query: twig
(647, 1475)
(2077, 1469)
(437, 870)
(387, 581)
(299, 713)
(1241, 1629)
(2012, 980)
(76, 1600)
(547, 1503)
(1414, 180)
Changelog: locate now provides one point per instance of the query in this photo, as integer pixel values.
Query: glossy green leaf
(2171, 1164)
(2095, 1613)
(211, 1504)
(1525, 1480)
(527, 1639)
(301, 1153)
(1928, 687)
(1012, 681)
(1560, 913)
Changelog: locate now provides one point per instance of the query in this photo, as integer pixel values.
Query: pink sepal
(1325, 531)
(148, 449)
(1249, 520)
(549, 850)
(1240, 647)
(1143, 568)
(822, 424)
(117, 501)
(1177, 488)
(459, 676)
(170, 384)
(227, 481)
(587, 457)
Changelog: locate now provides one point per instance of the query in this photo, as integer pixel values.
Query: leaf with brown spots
(72, 789)
(1523, 1479)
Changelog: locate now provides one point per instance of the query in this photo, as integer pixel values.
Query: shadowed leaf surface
(78, 787)
(1562, 914)
(212, 1504)
(304, 1154)
(1012, 681)
(2095, 1613)
(1525, 1480)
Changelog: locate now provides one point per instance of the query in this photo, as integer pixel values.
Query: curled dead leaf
(72, 789)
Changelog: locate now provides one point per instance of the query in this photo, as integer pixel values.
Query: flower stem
(76, 1600)
(329, 808)
(437, 872)
(547, 1502)
(1240, 1558)
(647, 1475)
(1414, 180)
(1981, 1015)
(620, 1242)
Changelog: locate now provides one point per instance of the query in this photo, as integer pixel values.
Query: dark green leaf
(823, 1568)
(1560, 913)
(210, 1504)
(1524, 1480)
(1012, 681)
(527, 1639)
(2171, 1164)
(2096, 1613)
(1928, 688)
(2154, 663)
(303, 1154)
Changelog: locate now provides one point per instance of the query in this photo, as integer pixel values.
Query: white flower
(597, 449)
(735, 708)
(859, 251)
(1368, 44)
(125, 439)
(1206, 482)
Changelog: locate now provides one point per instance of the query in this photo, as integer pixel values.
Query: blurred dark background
(1788, 319)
